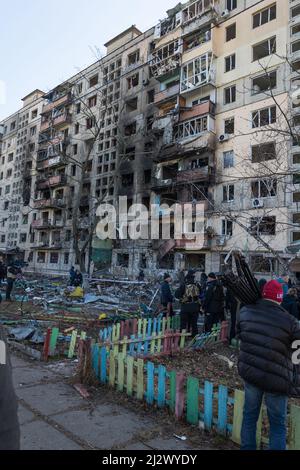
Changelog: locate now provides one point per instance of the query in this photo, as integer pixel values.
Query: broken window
(229, 126)
(54, 257)
(143, 261)
(41, 257)
(227, 228)
(94, 81)
(132, 105)
(127, 180)
(264, 82)
(130, 129)
(196, 40)
(228, 159)
(264, 49)
(167, 262)
(196, 72)
(263, 225)
(231, 32)
(231, 4)
(264, 117)
(263, 152)
(196, 9)
(130, 153)
(261, 264)
(133, 81)
(134, 58)
(230, 94)
(92, 101)
(228, 193)
(230, 63)
(150, 96)
(147, 176)
(264, 188)
(264, 16)
(91, 122)
(123, 260)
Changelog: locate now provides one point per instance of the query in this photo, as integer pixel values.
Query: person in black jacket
(290, 303)
(9, 425)
(214, 302)
(166, 297)
(267, 333)
(78, 279)
(232, 306)
(189, 296)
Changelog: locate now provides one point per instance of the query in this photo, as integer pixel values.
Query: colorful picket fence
(53, 342)
(204, 404)
(139, 327)
(219, 334)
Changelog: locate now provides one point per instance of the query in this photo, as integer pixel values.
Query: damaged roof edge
(132, 29)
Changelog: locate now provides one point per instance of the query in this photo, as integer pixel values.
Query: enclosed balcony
(51, 182)
(42, 224)
(166, 60)
(56, 121)
(49, 203)
(207, 107)
(197, 73)
(57, 102)
(167, 94)
(198, 14)
(51, 163)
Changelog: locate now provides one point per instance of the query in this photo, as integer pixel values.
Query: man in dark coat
(9, 426)
(214, 302)
(166, 297)
(189, 296)
(232, 306)
(290, 303)
(267, 333)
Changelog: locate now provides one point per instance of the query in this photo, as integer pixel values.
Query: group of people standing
(206, 297)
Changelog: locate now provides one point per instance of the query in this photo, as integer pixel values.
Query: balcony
(198, 14)
(208, 107)
(58, 121)
(41, 224)
(49, 204)
(51, 182)
(51, 163)
(158, 183)
(192, 175)
(165, 95)
(63, 100)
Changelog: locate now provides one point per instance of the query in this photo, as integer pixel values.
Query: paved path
(53, 416)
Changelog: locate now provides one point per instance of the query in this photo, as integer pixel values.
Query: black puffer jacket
(267, 332)
(214, 301)
(9, 426)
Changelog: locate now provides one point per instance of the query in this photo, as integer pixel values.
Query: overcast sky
(44, 42)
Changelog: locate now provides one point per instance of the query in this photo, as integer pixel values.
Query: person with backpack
(267, 333)
(214, 302)
(189, 296)
(9, 425)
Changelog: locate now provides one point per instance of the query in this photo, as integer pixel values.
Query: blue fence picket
(103, 369)
(161, 399)
(95, 359)
(150, 383)
(208, 405)
(222, 409)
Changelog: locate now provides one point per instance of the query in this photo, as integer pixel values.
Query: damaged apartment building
(186, 112)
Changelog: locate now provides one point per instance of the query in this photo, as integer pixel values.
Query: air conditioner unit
(224, 138)
(257, 203)
(225, 14)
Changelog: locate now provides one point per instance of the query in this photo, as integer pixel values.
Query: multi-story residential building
(196, 109)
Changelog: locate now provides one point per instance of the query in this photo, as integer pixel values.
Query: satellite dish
(295, 96)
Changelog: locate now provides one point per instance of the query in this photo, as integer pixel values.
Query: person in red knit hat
(267, 332)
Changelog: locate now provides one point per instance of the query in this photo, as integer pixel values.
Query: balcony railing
(208, 107)
(49, 203)
(196, 174)
(44, 183)
(41, 224)
(51, 163)
(63, 119)
(63, 100)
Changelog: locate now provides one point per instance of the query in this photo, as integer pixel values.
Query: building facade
(197, 109)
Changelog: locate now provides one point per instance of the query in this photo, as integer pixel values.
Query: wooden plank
(53, 341)
(172, 386)
(144, 333)
(121, 372)
(112, 370)
(129, 378)
(180, 395)
(124, 346)
(164, 324)
(72, 344)
(150, 383)
(95, 359)
(294, 428)
(239, 400)
(152, 345)
(182, 339)
(192, 400)
(83, 336)
(140, 323)
(47, 345)
(161, 397)
(149, 328)
(140, 379)
(208, 405)
(168, 323)
(103, 365)
(222, 409)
